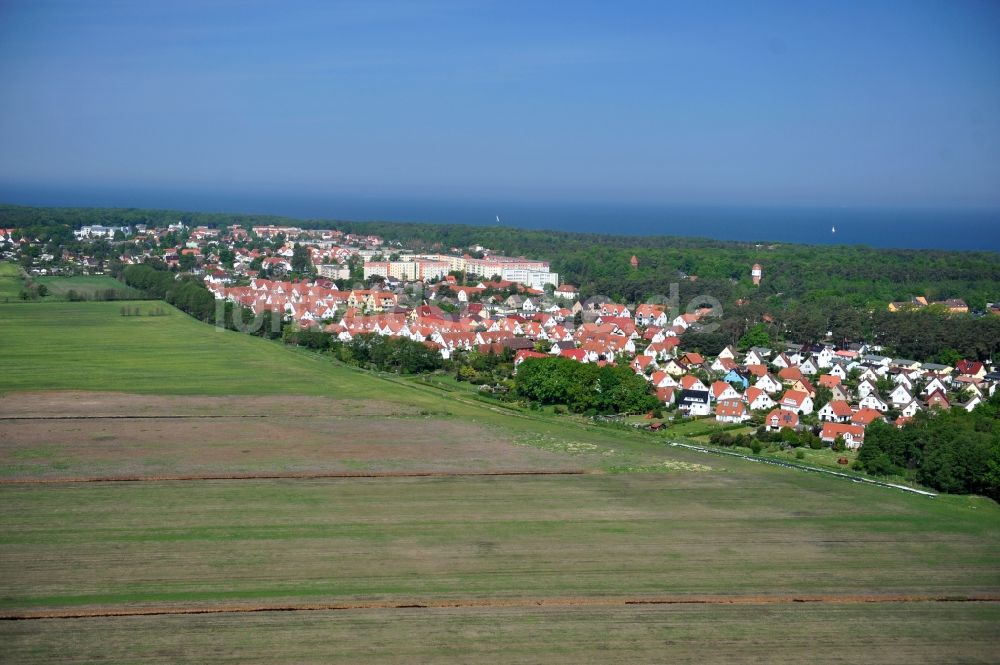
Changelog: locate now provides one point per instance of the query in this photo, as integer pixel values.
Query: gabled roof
(720, 387)
(865, 416)
(753, 393)
(694, 396)
(793, 398)
(781, 418)
(832, 430)
(840, 408)
(730, 408)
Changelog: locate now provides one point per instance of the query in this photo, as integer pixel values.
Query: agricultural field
(152, 467)
(85, 286)
(11, 282)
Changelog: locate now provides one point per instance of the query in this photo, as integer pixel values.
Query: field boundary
(804, 467)
(594, 601)
(291, 475)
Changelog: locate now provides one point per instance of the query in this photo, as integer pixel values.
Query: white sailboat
(833, 229)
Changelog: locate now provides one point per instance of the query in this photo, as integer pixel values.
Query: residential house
(781, 418)
(723, 391)
(794, 400)
(853, 435)
(873, 401)
(756, 356)
(866, 388)
(735, 376)
(935, 385)
(768, 384)
(731, 411)
(694, 402)
(691, 382)
(836, 411)
(971, 368)
(865, 416)
(757, 399)
(900, 395)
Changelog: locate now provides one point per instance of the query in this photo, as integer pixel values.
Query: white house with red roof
(731, 411)
(853, 435)
(836, 411)
(650, 315)
(865, 416)
(723, 391)
(781, 418)
(797, 401)
(757, 399)
(690, 382)
(567, 291)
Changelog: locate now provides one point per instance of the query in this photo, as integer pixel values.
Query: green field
(90, 346)
(11, 281)
(86, 286)
(536, 568)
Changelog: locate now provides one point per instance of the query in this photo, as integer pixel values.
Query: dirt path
(603, 601)
(291, 475)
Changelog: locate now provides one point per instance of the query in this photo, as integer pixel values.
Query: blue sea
(970, 229)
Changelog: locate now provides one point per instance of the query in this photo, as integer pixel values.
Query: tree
(823, 397)
(301, 263)
(755, 336)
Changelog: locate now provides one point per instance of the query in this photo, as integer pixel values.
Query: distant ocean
(903, 228)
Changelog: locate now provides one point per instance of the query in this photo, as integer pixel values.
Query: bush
(800, 454)
(755, 446)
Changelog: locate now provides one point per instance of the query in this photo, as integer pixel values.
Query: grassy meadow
(645, 520)
(86, 286)
(91, 346)
(11, 281)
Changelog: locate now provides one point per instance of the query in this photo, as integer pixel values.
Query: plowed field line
(291, 475)
(603, 601)
(297, 416)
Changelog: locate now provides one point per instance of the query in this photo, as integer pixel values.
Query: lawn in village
(642, 520)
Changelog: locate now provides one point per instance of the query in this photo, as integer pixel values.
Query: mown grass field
(644, 521)
(11, 281)
(890, 635)
(423, 539)
(90, 346)
(87, 286)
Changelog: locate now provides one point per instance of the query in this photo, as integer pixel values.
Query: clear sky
(736, 103)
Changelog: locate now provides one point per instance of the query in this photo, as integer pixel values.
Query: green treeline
(388, 354)
(952, 451)
(370, 351)
(188, 294)
(584, 387)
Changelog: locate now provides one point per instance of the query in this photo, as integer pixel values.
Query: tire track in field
(291, 475)
(471, 603)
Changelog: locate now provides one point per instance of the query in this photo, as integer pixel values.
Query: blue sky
(872, 103)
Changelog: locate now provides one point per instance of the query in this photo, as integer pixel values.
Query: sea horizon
(976, 229)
